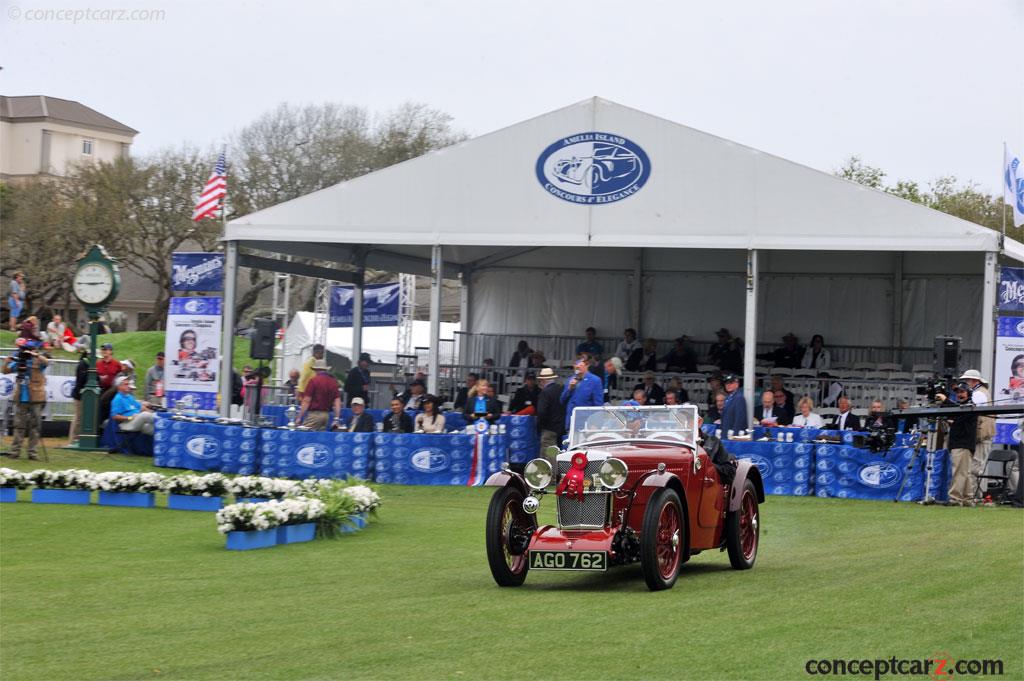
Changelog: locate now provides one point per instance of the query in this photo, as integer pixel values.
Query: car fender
(505, 478)
(745, 470)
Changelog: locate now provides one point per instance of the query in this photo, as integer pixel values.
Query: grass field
(107, 593)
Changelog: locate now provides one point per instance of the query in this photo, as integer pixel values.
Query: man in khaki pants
(986, 425)
(963, 436)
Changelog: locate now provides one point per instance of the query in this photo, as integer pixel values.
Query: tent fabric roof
(702, 192)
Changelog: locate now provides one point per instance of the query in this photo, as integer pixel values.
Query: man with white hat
(986, 424)
(550, 413)
(321, 395)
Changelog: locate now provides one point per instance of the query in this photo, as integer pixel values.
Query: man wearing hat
(734, 413)
(789, 356)
(107, 367)
(357, 383)
(524, 401)
(130, 415)
(726, 353)
(155, 381)
(308, 371)
(550, 414)
(28, 364)
(986, 424)
(361, 422)
(320, 397)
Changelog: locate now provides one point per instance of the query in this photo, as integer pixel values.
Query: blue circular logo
(202, 447)
(762, 463)
(879, 475)
(429, 460)
(314, 456)
(6, 386)
(593, 168)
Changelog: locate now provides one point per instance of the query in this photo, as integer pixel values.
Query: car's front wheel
(743, 529)
(662, 539)
(509, 529)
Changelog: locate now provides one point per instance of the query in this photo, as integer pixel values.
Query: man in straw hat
(550, 413)
(986, 424)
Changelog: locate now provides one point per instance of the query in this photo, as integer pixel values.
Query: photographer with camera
(963, 437)
(28, 363)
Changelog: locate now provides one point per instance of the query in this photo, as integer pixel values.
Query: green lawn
(107, 593)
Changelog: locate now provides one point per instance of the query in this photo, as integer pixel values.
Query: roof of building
(41, 107)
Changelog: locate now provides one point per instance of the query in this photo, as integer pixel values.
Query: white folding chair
(865, 366)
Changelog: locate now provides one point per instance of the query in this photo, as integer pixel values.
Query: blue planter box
(61, 496)
(293, 534)
(251, 500)
(133, 499)
(361, 519)
(8, 494)
(254, 539)
(189, 502)
(352, 525)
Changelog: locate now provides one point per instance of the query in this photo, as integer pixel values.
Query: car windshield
(670, 425)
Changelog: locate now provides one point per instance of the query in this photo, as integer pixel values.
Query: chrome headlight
(612, 473)
(538, 473)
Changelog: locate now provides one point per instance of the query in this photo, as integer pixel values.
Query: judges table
(799, 466)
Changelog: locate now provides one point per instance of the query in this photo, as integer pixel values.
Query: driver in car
(723, 461)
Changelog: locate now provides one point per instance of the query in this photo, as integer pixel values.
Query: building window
(87, 147)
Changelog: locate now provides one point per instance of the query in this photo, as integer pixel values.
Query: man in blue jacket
(734, 413)
(584, 389)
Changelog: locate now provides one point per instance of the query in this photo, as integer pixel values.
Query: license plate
(568, 560)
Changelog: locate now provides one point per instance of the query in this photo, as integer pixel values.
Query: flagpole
(1002, 199)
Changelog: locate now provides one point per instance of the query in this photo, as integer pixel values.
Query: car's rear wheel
(662, 539)
(509, 529)
(743, 529)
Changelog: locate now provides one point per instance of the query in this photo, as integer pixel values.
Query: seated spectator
(612, 371)
(807, 418)
(526, 397)
(644, 358)
(652, 391)
(60, 335)
(521, 357)
(672, 398)
(627, 346)
(788, 356)
(680, 359)
(128, 413)
(361, 422)
(459, 401)
(783, 407)
(778, 386)
(904, 424)
(714, 387)
(639, 397)
(413, 397)
(727, 353)
(537, 359)
(816, 357)
(877, 418)
(717, 405)
(397, 421)
(481, 403)
(431, 420)
(764, 413)
(493, 376)
(676, 386)
(845, 419)
(590, 345)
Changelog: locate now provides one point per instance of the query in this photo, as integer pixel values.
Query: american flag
(216, 189)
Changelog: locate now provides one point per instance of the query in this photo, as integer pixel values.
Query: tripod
(929, 438)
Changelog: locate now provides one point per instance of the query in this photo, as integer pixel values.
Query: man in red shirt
(107, 367)
(320, 397)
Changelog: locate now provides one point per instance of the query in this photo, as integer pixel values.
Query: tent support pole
(357, 315)
(897, 309)
(227, 350)
(638, 292)
(435, 317)
(750, 332)
(988, 307)
(464, 311)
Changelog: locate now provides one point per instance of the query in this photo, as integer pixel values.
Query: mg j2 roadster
(634, 485)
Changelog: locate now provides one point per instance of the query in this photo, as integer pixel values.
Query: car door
(712, 498)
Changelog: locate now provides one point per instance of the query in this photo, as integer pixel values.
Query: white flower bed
(209, 485)
(258, 486)
(73, 478)
(12, 478)
(364, 497)
(268, 515)
(116, 481)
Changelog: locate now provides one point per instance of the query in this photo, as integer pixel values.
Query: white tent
(713, 233)
(380, 341)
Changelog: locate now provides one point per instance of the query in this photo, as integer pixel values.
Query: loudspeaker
(262, 340)
(946, 356)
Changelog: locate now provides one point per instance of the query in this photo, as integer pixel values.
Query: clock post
(96, 283)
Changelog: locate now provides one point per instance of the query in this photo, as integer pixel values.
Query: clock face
(93, 283)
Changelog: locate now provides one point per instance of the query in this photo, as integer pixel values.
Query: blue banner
(192, 348)
(786, 467)
(305, 454)
(380, 305)
(1011, 289)
(851, 473)
(197, 271)
(205, 446)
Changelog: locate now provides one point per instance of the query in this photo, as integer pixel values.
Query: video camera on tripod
(878, 439)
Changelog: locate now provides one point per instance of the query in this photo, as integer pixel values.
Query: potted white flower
(72, 486)
(128, 489)
(256, 526)
(10, 482)
(196, 492)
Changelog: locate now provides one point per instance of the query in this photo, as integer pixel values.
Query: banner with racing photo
(197, 271)
(1008, 382)
(192, 350)
(380, 305)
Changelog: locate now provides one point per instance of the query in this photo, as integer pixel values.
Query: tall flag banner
(215, 190)
(197, 271)
(1013, 185)
(1007, 385)
(192, 348)
(380, 305)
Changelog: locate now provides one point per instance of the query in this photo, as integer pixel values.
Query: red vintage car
(633, 485)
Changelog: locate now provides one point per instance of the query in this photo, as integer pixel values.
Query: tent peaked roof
(701, 191)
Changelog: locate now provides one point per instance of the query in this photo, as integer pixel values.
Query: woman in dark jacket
(480, 403)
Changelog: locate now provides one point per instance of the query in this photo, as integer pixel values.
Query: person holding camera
(963, 437)
(28, 363)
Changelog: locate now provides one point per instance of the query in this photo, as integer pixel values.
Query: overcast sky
(920, 88)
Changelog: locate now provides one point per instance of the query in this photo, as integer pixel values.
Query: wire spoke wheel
(743, 530)
(662, 540)
(509, 529)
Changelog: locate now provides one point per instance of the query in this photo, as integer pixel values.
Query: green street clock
(97, 281)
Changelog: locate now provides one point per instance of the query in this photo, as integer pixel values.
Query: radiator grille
(592, 512)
